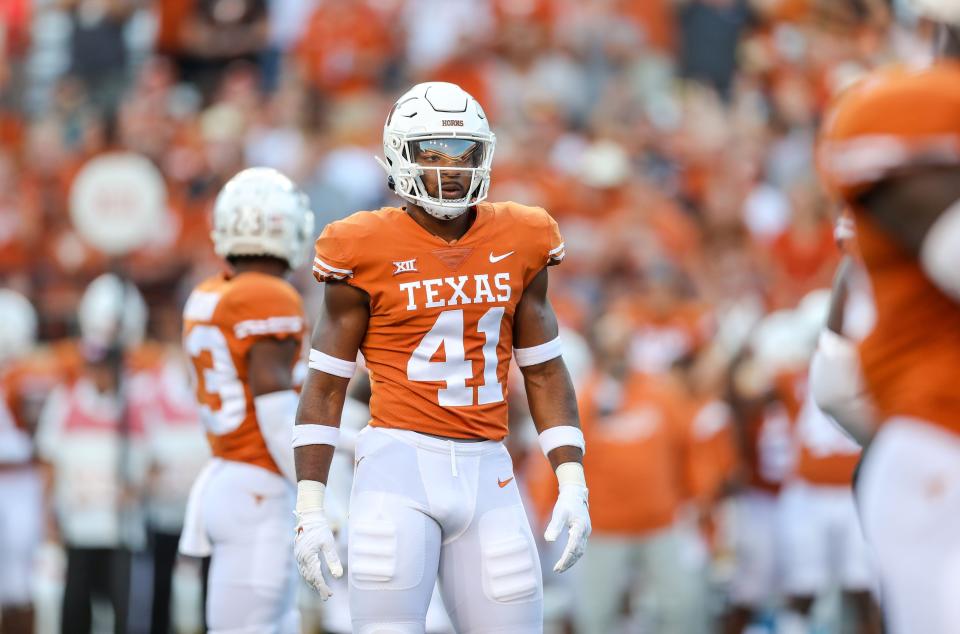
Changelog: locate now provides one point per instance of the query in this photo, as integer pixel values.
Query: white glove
(315, 538)
(571, 511)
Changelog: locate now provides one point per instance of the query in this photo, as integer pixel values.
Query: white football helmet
(111, 313)
(262, 212)
(19, 332)
(444, 117)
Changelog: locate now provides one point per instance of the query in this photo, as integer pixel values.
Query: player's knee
(509, 560)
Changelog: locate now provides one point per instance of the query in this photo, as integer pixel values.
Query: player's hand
(315, 542)
(573, 513)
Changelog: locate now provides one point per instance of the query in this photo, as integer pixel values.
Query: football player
(243, 331)
(890, 149)
(91, 441)
(822, 541)
(438, 296)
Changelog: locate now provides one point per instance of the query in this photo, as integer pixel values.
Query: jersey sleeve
(334, 260)
(263, 309)
(544, 244)
(554, 246)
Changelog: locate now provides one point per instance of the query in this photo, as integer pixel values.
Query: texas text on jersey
(440, 335)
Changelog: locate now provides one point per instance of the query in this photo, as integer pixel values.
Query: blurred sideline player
(641, 444)
(890, 148)
(20, 484)
(762, 387)
(243, 332)
(91, 437)
(437, 296)
(823, 542)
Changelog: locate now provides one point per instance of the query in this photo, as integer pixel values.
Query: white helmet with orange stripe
(262, 212)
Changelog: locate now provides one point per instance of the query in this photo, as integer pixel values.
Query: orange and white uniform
(82, 433)
(823, 543)
(767, 454)
(223, 318)
(639, 464)
(440, 336)
(905, 119)
(438, 347)
(240, 510)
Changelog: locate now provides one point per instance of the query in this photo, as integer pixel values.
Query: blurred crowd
(673, 140)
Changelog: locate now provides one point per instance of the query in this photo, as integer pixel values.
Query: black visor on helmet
(465, 152)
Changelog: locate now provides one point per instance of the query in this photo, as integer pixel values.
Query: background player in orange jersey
(438, 296)
(243, 331)
(890, 149)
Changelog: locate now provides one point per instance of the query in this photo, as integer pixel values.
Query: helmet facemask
(443, 173)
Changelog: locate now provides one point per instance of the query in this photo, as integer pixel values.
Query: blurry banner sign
(117, 201)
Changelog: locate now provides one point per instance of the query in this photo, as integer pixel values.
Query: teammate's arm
(270, 363)
(553, 405)
(836, 380)
(336, 341)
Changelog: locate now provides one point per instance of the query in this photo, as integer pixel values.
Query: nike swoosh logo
(503, 483)
(496, 258)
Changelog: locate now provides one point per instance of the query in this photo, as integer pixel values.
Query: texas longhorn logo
(405, 266)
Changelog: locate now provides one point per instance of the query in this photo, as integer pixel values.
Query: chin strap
(445, 213)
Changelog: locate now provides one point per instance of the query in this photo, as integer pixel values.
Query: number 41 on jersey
(456, 369)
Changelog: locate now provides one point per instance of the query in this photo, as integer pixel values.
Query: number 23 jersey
(224, 317)
(440, 336)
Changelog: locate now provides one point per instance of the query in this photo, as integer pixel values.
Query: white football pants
(248, 516)
(909, 490)
(423, 508)
(21, 525)
(822, 541)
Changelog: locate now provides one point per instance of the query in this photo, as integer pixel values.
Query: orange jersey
(224, 316)
(27, 382)
(713, 454)
(638, 441)
(767, 443)
(440, 336)
(892, 120)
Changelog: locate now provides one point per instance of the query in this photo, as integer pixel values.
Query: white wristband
(310, 495)
(538, 354)
(323, 362)
(561, 436)
(309, 434)
(571, 473)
